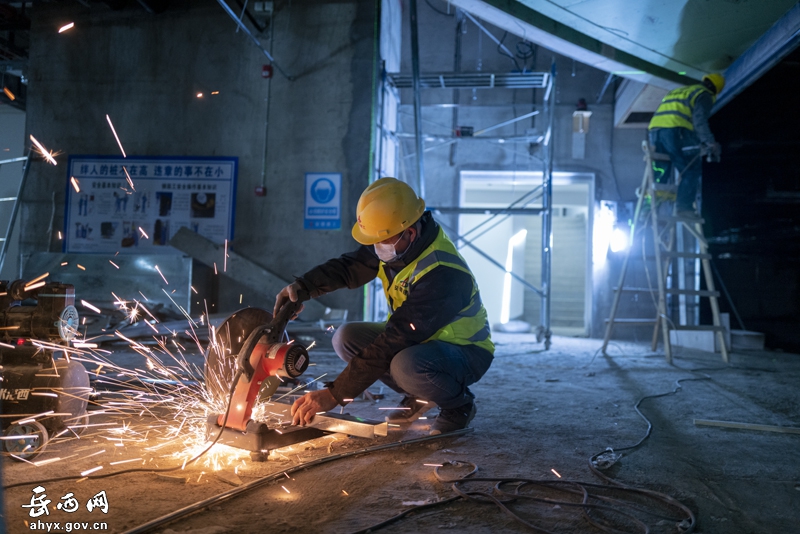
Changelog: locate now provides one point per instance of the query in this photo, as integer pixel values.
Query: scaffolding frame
(391, 83)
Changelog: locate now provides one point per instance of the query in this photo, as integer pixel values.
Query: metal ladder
(668, 230)
(15, 209)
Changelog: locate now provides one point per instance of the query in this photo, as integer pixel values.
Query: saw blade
(220, 364)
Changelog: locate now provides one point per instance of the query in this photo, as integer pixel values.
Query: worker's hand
(306, 407)
(288, 293)
(714, 152)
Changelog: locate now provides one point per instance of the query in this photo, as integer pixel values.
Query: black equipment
(42, 391)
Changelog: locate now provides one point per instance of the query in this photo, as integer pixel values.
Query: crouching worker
(436, 341)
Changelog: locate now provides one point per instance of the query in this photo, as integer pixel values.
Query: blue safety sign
(323, 209)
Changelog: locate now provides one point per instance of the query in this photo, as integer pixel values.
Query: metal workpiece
(350, 425)
(339, 423)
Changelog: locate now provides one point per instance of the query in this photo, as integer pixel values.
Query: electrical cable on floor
(597, 464)
(144, 469)
(590, 497)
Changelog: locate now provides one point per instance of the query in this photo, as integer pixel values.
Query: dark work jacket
(433, 303)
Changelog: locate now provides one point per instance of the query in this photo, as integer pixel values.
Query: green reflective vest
(676, 108)
(471, 325)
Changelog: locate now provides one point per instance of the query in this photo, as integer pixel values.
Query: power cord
(601, 498)
(590, 493)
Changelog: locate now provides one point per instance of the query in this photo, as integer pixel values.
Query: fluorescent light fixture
(516, 239)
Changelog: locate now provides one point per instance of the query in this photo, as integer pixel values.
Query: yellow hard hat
(386, 208)
(717, 79)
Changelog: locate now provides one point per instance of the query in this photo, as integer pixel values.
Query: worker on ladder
(679, 128)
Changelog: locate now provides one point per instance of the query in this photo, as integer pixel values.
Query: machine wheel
(32, 440)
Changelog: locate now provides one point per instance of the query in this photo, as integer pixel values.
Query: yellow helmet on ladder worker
(386, 208)
(717, 80)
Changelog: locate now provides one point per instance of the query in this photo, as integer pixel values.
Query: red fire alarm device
(261, 191)
(266, 71)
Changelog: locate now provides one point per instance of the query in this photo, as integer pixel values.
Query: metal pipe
(490, 211)
(602, 93)
(487, 32)
(250, 17)
(15, 210)
(13, 160)
(454, 235)
(244, 28)
(381, 126)
(266, 118)
(244, 10)
(547, 212)
(417, 97)
(456, 91)
(506, 123)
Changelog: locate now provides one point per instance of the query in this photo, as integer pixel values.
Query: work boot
(453, 419)
(409, 410)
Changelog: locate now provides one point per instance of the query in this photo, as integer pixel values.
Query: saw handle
(274, 332)
(286, 313)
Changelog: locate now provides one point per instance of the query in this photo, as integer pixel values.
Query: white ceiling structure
(664, 43)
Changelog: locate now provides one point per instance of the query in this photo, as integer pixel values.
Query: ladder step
(634, 322)
(672, 219)
(658, 156)
(665, 187)
(702, 327)
(637, 289)
(692, 292)
(690, 255)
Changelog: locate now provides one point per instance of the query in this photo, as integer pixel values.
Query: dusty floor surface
(537, 412)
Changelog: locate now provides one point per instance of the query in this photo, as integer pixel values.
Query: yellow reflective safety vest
(675, 110)
(471, 325)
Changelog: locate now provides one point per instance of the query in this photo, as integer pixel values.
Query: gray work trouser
(434, 371)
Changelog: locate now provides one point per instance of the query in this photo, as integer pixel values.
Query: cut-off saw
(247, 360)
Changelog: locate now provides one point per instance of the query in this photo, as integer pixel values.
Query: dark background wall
(145, 70)
(752, 204)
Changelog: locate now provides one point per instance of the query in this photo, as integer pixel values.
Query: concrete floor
(537, 412)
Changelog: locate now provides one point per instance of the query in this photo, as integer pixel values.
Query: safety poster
(134, 205)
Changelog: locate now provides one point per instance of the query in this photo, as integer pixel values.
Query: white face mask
(385, 251)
